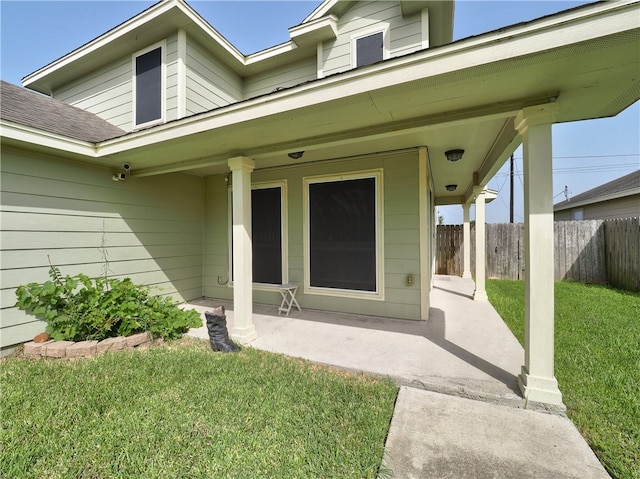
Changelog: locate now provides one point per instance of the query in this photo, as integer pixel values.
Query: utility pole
(511, 195)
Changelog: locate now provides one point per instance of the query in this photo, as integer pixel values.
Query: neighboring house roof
(625, 186)
(27, 108)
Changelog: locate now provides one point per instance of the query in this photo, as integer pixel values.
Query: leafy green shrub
(78, 308)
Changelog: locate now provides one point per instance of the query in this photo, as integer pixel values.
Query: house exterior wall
(171, 78)
(147, 229)
(107, 93)
(367, 17)
(291, 75)
(210, 84)
(627, 207)
(401, 236)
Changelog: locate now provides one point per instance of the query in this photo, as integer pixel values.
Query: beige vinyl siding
(404, 33)
(406, 36)
(401, 236)
(107, 92)
(564, 215)
(171, 72)
(210, 84)
(148, 229)
(627, 207)
(216, 241)
(294, 74)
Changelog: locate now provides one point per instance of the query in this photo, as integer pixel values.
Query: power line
(595, 156)
(585, 169)
(623, 155)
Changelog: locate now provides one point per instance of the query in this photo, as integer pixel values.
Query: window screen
(369, 49)
(266, 231)
(149, 86)
(342, 234)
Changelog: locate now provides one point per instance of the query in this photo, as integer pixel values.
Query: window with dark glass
(342, 234)
(266, 231)
(266, 235)
(369, 49)
(148, 86)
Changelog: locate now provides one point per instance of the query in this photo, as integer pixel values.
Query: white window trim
(282, 184)
(163, 65)
(377, 295)
(379, 28)
(425, 27)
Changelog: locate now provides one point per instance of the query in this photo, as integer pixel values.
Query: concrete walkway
(459, 412)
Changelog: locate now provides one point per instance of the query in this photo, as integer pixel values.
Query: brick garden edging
(84, 349)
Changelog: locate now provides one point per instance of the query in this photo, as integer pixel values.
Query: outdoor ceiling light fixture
(296, 155)
(451, 187)
(454, 155)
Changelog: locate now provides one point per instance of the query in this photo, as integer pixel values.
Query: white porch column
(243, 329)
(537, 380)
(466, 241)
(480, 294)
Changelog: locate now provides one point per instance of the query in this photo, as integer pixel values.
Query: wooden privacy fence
(588, 251)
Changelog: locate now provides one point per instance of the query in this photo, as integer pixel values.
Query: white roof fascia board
(128, 26)
(270, 53)
(511, 41)
(25, 134)
(321, 10)
(600, 199)
(443, 60)
(315, 31)
(213, 33)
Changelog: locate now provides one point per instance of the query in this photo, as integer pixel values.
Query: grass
(182, 411)
(597, 359)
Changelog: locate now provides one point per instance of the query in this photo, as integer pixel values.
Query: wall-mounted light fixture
(295, 155)
(454, 155)
(451, 187)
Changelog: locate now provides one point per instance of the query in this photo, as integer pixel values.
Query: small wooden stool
(288, 292)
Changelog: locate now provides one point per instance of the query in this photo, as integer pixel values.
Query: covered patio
(463, 349)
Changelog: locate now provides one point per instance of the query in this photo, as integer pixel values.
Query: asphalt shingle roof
(619, 185)
(34, 110)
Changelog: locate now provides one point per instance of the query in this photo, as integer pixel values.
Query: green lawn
(597, 358)
(182, 411)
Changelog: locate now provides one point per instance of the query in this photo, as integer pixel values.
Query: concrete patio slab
(464, 348)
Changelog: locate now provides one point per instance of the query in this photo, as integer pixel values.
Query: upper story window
(148, 86)
(369, 48)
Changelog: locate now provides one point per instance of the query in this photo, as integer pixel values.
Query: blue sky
(586, 154)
